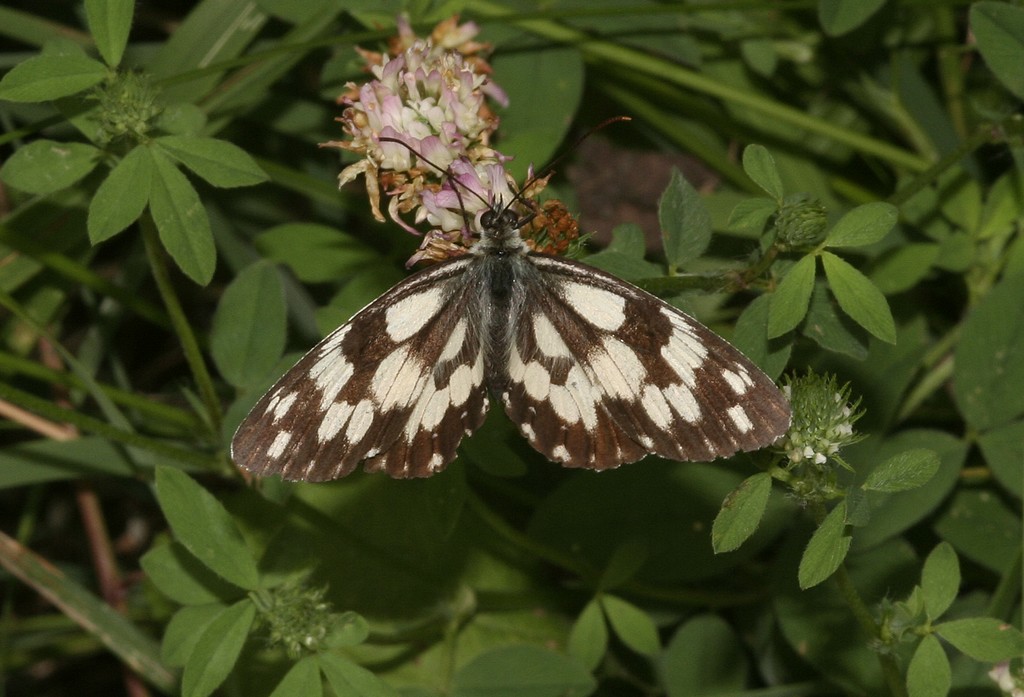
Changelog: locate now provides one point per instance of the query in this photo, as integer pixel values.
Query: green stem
(674, 595)
(138, 651)
(862, 615)
(165, 413)
(88, 424)
(1008, 592)
(189, 344)
(890, 669)
(595, 49)
(929, 176)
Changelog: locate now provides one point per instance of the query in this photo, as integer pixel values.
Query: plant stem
(598, 50)
(186, 336)
(890, 670)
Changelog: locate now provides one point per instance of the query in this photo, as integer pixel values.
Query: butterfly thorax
(501, 273)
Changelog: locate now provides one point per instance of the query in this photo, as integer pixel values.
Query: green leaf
(540, 112)
(522, 671)
(184, 631)
(831, 329)
(183, 578)
(627, 559)
(249, 328)
(838, 17)
(826, 550)
(940, 580)
(863, 225)
(109, 23)
(988, 368)
(632, 625)
(303, 679)
(347, 629)
(704, 657)
(741, 513)
(859, 298)
(685, 221)
(751, 337)
(206, 530)
(792, 298)
(217, 650)
(1003, 448)
(902, 268)
(121, 198)
(50, 76)
(928, 674)
(759, 165)
(982, 528)
(348, 678)
(41, 460)
(44, 166)
(588, 638)
(624, 255)
(984, 639)
(907, 470)
(219, 162)
(181, 221)
(751, 214)
(316, 253)
(998, 29)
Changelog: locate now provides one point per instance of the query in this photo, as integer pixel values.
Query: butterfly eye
(487, 219)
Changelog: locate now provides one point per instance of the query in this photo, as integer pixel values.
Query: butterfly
(593, 371)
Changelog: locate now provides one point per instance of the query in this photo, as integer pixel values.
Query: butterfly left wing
(396, 387)
(601, 373)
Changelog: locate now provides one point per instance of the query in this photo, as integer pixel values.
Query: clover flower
(1010, 682)
(823, 419)
(422, 127)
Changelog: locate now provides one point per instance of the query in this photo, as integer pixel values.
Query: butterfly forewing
(602, 373)
(397, 387)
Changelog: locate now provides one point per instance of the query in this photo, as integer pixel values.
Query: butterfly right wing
(396, 387)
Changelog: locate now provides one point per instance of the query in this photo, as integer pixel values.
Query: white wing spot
(362, 419)
(656, 408)
(684, 354)
(454, 344)
(279, 406)
(560, 454)
(549, 341)
(436, 462)
(334, 420)
(398, 378)
(437, 407)
(330, 374)
(461, 384)
(410, 314)
(602, 308)
(682, 402)
(739, 382)
(333, 341)
(564, 404)
(536, 381)
(740, 418)
(281, 441)
(585, 394)
(619, 368)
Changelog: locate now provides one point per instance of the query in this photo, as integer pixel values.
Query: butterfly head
(499, 231)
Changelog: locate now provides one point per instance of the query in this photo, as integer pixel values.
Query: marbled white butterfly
(593, 371)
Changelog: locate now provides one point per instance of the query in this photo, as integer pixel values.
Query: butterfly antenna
(444, 172)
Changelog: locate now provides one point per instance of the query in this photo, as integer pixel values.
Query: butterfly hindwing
(396, 387)
(601, 373)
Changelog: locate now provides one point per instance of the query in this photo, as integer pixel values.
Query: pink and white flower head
(423, 127)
